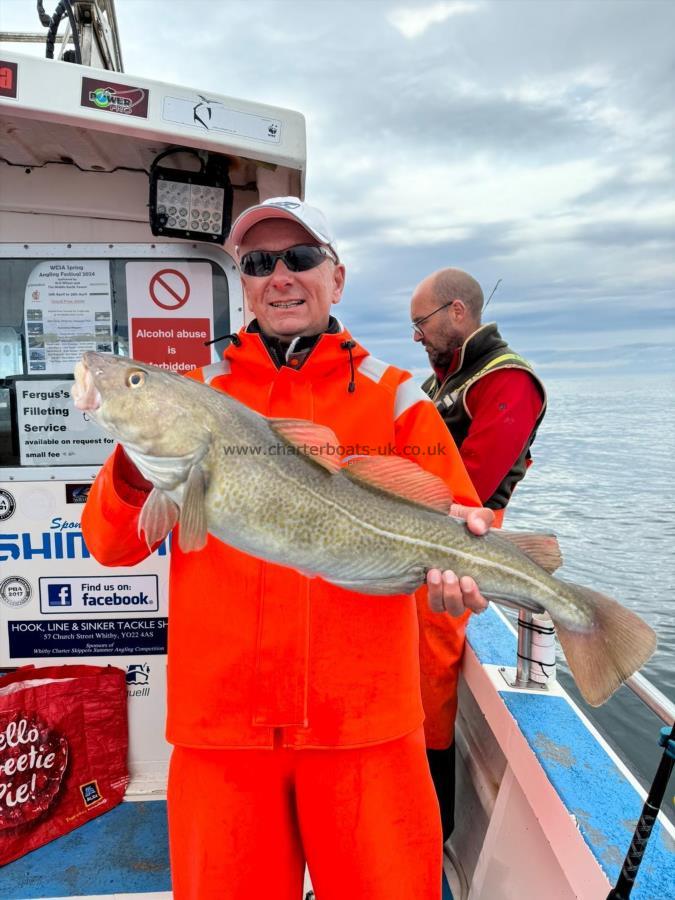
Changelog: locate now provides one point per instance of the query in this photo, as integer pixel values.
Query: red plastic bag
(63, 751)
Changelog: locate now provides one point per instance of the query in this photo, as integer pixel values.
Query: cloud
(517, 140)
(413, 21)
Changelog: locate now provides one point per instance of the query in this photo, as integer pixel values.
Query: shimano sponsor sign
(64, 540)
(137, 593)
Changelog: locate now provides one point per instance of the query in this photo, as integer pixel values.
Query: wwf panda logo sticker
(7, 505)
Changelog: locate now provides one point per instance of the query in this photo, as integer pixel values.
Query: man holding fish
(296, 716)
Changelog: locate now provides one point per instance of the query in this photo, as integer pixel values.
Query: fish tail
(617, 645)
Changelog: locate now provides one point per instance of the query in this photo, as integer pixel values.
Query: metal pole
(12, 37)
(524, 649)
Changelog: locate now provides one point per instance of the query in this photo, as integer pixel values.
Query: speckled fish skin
(280, 505)
(265, 498)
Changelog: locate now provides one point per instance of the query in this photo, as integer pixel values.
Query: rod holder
(535, 667)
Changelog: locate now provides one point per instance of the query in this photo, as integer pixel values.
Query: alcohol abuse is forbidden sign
(170, 306)
(169, 289)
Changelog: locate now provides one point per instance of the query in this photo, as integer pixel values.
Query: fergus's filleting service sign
(52, 432)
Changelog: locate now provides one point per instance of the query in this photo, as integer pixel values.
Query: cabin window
(54, 308)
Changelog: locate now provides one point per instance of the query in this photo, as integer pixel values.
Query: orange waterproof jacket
(256, 647)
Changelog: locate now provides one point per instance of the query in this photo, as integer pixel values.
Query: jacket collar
(330, 354)
(295, 351)
(464, 354)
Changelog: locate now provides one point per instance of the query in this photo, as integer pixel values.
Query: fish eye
(136, 379)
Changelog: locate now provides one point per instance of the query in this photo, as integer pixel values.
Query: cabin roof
(101, 120)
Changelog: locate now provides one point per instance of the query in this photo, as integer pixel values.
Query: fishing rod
(650, 811)
(499, 281)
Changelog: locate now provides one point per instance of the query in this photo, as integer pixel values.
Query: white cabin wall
(61, 203)
(46, 228)
(65, 190)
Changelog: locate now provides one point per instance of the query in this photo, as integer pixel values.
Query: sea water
(603, 481)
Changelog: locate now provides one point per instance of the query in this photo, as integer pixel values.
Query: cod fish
(278, 489)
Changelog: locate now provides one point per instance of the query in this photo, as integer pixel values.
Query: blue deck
(604, 803)
(122, 852)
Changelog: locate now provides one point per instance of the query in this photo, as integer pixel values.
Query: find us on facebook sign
(134, 593)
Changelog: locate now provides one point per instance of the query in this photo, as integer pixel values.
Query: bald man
(492, 403)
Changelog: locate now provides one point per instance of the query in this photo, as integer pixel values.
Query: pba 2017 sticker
(15, 591)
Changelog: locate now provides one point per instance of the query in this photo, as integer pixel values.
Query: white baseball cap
(291, 208)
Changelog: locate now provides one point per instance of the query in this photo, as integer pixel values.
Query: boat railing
(652, 697)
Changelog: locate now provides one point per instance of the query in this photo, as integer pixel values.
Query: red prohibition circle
(166, 290)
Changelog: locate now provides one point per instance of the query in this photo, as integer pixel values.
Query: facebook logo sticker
(59, 595)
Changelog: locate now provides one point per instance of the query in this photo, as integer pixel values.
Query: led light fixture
(192, 205)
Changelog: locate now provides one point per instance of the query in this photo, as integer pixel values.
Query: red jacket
(256, 647)
(504, 407)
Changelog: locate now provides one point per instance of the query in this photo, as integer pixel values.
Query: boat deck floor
(122, 855)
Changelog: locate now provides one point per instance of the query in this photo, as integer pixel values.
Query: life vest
(483, 352)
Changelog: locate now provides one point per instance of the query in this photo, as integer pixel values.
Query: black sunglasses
(296, 259)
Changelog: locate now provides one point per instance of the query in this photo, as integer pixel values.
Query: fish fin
(192, 534)
(405, 583)
(167, 472)
(541, 548)
(403, 478)
(618, 644)
(317, 442)
(157, 518)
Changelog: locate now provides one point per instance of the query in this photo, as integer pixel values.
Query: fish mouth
(84, 392)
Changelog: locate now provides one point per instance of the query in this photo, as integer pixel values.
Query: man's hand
(447, 593)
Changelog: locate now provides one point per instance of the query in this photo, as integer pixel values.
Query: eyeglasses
(260, 263)
(416, 324)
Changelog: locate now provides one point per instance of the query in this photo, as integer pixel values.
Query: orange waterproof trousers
(242, 823)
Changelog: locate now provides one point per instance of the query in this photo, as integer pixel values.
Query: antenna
(499, 281)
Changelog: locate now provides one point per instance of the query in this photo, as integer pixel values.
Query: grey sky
(528, 141)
